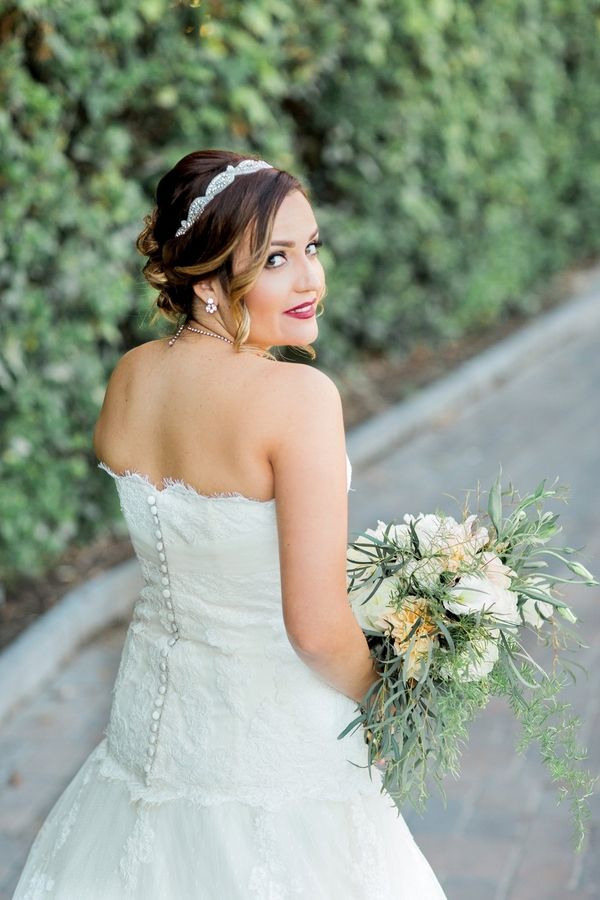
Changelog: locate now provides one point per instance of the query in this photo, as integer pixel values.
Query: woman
(221, 776)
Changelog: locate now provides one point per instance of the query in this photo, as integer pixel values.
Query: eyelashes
(315, 244)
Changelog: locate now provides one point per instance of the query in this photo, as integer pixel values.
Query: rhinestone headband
(218, 184)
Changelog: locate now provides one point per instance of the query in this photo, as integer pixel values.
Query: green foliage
(450, 148)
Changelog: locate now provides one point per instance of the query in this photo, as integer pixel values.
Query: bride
(220, 776)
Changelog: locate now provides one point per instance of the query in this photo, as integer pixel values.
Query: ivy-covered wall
(450, 146)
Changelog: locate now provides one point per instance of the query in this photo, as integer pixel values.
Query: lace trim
(112, 770)
(177, 486)
(138, 850)
(41, 885)
(269, 879)
(368, 864)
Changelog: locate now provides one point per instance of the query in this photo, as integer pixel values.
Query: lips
(302, 309)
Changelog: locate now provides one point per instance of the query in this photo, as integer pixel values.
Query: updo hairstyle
(247, 206)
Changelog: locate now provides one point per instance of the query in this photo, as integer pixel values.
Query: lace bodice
(220, 772)
(211, 702)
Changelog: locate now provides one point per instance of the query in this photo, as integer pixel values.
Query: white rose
(376, 532)
(496, 571)
(475, 540)
(481, 658)
(474, 593)
(426, 572)
(397, 534)
(454, 542)
(368, 615)
(428, 529)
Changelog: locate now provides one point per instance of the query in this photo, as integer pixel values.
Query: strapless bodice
(211, 702)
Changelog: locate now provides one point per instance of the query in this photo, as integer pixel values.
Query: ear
(203, 289)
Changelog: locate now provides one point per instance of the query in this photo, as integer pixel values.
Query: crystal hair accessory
(218, 184)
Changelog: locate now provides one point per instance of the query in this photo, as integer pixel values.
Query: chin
(304, 335)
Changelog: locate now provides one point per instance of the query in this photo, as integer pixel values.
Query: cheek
(265, 297)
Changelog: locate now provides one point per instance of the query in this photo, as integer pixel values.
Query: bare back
(194, 412)
(237, 423)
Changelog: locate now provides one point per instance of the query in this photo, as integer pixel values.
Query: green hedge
(451, 148)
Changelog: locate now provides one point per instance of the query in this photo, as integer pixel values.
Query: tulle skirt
(98, 844)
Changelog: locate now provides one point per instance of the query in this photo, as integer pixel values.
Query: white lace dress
(220, 776)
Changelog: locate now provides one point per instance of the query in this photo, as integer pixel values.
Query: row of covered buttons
(166, 592)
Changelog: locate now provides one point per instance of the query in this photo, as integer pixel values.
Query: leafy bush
(450, 148)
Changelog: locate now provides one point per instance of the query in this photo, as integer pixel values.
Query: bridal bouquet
(446, 608)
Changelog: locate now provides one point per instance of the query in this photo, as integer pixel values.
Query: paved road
(501, 836)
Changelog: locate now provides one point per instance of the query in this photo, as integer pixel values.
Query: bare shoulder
(294, 385)
(296, 396)
(119, 384)
(126, 366)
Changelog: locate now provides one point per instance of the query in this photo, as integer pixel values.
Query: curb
(47, 643)
(431, 406)
(107, 598)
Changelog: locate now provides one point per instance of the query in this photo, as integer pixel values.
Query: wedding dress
(220, 776)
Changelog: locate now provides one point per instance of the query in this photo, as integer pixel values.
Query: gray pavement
(501, 836)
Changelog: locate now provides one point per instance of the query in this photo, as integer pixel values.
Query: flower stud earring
(211, 306)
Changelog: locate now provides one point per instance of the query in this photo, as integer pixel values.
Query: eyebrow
(292, 243)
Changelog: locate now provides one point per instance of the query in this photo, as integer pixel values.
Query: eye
(281, 255)
(271, 265)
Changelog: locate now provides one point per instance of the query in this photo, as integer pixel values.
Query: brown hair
(247, 206)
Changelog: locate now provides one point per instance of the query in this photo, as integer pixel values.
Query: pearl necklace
(198, 331)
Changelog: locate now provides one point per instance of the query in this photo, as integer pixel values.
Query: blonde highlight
(174, 264)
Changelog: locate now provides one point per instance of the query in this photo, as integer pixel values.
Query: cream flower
(474, 594)
(454, 543)
(397, 534)
(400, 623)
(496, 571)
(383, 601)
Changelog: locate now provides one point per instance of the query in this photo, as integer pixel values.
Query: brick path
(501, 836)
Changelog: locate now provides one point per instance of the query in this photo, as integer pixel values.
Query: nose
(310, 276)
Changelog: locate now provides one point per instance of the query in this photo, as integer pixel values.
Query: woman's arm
(307, 450)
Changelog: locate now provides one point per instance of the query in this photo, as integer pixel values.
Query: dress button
(151, 499)
(147, 768)
(162, 557)
(163, 678)
(159, 701)
(150, 751)
(165, 580)
(153, 729)
(169, 604)
(164, 652)
(160, 545)
(174, 627)
(171, 617)
(153, 510)
(161, 689)
(156, 715)
(158, 533)
(153, 738)
(163, 568)
(172, 641)
(163, 665)
(167, 593)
